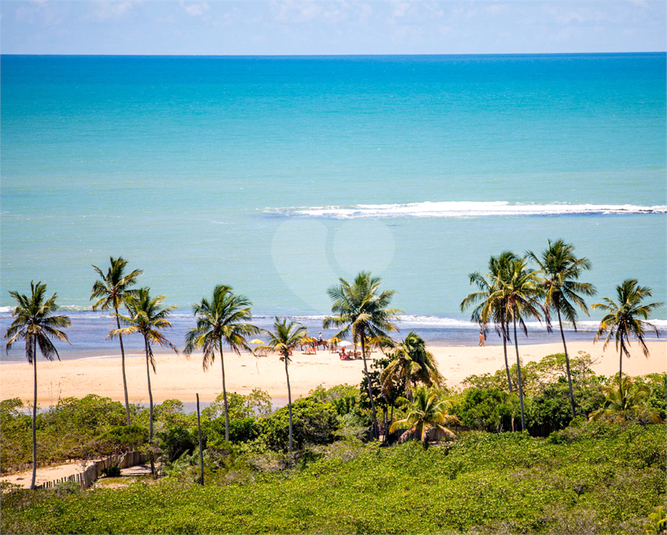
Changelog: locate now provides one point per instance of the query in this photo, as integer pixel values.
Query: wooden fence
(93, 472)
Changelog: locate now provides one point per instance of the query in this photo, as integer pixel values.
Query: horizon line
(339, 55)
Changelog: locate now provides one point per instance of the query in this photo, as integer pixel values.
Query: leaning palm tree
(563, 292)
(519, 287)
(488, 308)
(625, 400)
(284, 340)
(147, 317)
(625, 318)
(413, 364)
(36, 323)
(361, 310)
(426, 415)
(222, 320)
(110, 290)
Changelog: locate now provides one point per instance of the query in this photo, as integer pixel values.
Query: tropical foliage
(109, 291)
(361, 310)
(35, 321)
(222, 320)
(563, 293)
(147, 317)
(625, 318)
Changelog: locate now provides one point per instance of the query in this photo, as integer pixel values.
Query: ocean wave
(461, 210)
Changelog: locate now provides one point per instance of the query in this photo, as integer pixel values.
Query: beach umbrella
(345, 343)
(335, 340)
(256, 341)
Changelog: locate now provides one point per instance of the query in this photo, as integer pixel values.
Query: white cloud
(108, 11)
(195, 10)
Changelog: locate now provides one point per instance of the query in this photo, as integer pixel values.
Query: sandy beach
(181, 378)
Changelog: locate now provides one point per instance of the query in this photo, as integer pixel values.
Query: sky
(319, 27)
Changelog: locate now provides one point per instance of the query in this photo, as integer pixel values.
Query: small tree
(35, 322)
(625, 318)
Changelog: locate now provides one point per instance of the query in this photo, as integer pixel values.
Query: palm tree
(146, 317)
(426, 414)
(109, 291)
(488, 308)
(624, 399)
(221, 320)
(519, 288)
(361, 311)
(625, 318)
(563, 291)
(285, 338)
(36, 323)
(412, 363)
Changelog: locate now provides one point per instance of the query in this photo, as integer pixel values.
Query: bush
(312, 422)
(486, 409)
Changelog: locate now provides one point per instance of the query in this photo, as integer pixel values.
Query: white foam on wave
(460, 210)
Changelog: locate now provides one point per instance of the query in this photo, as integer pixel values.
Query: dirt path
(48, 473)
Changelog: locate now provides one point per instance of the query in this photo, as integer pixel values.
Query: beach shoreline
(182, 378)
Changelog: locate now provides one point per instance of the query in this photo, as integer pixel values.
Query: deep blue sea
(277, 175)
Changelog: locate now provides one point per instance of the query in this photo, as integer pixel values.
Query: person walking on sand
(482, 338)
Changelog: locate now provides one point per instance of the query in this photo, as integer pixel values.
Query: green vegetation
(625, 318)
(110, 291)
(361, 310)
(592, 478)
(563, 291)
(221, 320)
(35, 322)
(147, 318)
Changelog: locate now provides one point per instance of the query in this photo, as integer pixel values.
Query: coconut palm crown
(362, 311)
(110, 291)
(626, 317)
(36, 322)
(221, 321)
(563, 293)
(411, 362)
(428, 413)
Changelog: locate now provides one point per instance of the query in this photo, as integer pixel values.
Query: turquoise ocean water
(277, 175)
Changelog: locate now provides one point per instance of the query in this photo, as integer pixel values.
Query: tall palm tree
(488, 308)
(624, 399)
(222, 320)
(427, 413)
(35, 322)
(361, 310)
(110, 291)
(147, 317)
(519, 287)
(563, 291)
(285, 338)
(411, 362)
(625, 318)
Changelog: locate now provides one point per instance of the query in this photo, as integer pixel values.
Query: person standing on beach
(482, 338)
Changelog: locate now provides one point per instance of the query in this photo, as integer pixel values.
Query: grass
(598, 478)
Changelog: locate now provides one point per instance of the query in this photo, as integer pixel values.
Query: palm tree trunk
(518, 369)
(34, 415)
(620, 362)
(567, 363)
(370, 390)
(224, 394)
(122, 364)
(150, 406)
(289, 404)
(507, 366)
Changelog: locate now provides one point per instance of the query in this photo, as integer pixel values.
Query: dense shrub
(312, 422)
(487, 409)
